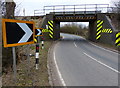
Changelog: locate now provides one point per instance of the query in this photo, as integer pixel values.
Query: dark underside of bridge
(57, 18)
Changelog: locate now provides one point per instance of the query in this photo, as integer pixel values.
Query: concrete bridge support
(107, 31)
(92, 30)
(53, 27)
(56, 30)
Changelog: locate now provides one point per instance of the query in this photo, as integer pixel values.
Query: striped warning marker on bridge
(117, 42)
(107, 31)
(50, 28)
(99, 29)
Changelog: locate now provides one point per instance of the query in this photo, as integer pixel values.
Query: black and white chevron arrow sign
(17, 33)
(38, 32)
(27, 32)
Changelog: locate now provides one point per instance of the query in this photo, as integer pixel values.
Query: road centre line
(102, 63)
(75, 44)
(99, 46)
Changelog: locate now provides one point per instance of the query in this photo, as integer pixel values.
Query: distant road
(81, 63)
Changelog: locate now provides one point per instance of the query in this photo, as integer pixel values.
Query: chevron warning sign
(99, 29)
(38, 31)
(16, 32)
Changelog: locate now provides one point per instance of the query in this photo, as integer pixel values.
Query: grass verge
(27, 75)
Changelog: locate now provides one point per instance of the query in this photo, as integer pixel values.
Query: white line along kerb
(103, 48)
(63, 83)
(27, 31)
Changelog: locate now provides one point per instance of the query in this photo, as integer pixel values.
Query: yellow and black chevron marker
(107, 31)
(50, 27)
(117, 41)
(99, 29)
(35, 39)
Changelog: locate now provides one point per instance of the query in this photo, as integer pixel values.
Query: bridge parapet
(75, 9)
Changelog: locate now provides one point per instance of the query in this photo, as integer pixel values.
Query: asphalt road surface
(80, 63)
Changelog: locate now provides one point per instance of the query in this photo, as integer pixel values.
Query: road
(80, 63)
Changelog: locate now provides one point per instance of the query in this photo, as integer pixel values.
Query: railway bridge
(98, 15)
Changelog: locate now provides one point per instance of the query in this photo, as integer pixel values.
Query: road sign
(16, 32)
(38, 32)
(45, 30)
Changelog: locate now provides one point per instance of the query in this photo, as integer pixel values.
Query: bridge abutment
(108, 31)
(92, 30)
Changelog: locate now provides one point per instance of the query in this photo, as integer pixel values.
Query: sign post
(14, 63)
(38, 34)
(28, 59)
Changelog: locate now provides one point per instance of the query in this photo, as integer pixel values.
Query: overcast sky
(31, 5)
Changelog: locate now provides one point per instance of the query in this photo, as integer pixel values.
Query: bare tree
(117, 5)
(116, 17)
(117, 9)
(8, 9)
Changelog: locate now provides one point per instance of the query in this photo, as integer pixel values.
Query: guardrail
(65, 9)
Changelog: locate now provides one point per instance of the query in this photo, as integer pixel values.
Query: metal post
(64, 9)
(96, 9)
(54, 10)
(108, 9)
(74, 9)
(37, 55)
(0, 50)
(24, 11)
(14, 63)
(42, 44)
(28, 59)
(34, 12)
(44, 10)
(85, 9)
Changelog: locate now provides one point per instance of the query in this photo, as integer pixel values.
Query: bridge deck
(76, 12)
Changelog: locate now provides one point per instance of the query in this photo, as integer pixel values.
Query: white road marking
(103, 48)
(27, 31)
(102, 63)
(98, 46)
(63, 82)
(75, 44)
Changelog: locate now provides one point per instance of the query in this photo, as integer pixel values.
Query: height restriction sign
(16, 32)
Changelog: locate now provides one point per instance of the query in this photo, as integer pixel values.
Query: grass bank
(27, 75)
